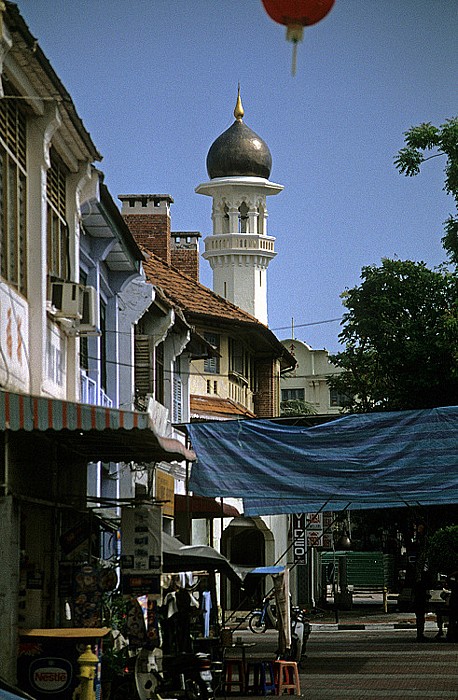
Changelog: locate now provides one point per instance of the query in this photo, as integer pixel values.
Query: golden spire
(239, 111)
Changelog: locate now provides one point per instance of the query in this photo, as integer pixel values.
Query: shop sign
(14, 338)
(141, 529)
(299, 542)
(318, 530)
(140, 584)
(50, 675)
(165, 492)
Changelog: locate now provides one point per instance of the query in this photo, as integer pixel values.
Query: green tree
(296, 407)
(442, 550)
(401, 326)
(442, 142)
(400, 332)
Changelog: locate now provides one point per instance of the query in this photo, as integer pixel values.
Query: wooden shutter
(144, 373)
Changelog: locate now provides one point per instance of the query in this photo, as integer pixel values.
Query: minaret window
(226, 219)
(261, 214)
(243, 218)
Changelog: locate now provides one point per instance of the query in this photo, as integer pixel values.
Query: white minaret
(239, 249)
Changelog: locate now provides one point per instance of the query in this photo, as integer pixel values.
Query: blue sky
(155, 82)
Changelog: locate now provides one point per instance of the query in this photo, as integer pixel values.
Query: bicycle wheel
(256, 623)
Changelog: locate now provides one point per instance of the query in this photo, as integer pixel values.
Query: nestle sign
(50, 675)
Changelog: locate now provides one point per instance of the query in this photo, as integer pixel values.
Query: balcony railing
(90, 394)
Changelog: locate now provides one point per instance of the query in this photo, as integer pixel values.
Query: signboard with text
(299, 538)
(310, 530)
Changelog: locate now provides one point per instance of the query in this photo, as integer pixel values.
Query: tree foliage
(442, 550)
(400, 332)
(296, 407)
(441, 141)
(400, 329)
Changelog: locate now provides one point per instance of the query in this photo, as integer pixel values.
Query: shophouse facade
(71, 291)
(239, 377)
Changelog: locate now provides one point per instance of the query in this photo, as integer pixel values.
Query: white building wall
(310, 375)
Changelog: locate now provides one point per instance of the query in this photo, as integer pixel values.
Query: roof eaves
(114, 213)
(17, 24)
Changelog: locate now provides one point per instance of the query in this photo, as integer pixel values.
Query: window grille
(293, 395)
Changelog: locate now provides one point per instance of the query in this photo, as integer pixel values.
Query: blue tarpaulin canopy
(377, 460)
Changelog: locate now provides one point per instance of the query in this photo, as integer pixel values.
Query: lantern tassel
(294, 33)
(294, 61)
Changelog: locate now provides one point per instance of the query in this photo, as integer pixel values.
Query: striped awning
(95, 432)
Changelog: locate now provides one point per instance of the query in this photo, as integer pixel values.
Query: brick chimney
(148, 218)
(185, 252)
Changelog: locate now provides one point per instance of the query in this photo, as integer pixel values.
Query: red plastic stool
(287, 678)
(234, 676)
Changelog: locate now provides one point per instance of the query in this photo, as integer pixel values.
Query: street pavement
(372, 655)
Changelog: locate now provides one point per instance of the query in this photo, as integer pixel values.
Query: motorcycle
(300, 632)
(187, 675)
(264, 617)
(150, 675)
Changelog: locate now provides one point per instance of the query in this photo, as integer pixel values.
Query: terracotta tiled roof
(216, 407)
(189, 294)
(200, 305)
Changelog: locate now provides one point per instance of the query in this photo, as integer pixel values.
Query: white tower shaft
(239, 249)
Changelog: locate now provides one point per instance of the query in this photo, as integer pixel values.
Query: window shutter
(211, 364)
(144, 365)
(177, 394)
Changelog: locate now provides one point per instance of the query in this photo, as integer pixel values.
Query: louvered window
(144, 374)
(211, 364)
(177, 392)
(159, 373)
(13, 188)
(149, 368)
(57, 228)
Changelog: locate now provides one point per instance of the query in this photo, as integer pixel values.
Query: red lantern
(295, 15)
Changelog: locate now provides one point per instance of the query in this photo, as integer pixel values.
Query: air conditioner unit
(89, 322)
(66, 298)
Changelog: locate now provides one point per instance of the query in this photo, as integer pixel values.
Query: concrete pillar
(9, 586)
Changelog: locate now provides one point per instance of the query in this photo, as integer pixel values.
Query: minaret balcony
(239, 243)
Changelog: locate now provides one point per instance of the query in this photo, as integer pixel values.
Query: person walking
(452, 629)
(421, 584)
(421, 598)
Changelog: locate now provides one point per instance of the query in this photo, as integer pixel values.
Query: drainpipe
(6, 454)
(188, 509)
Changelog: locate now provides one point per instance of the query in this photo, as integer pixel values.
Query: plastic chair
(234, 676)
(287, 678)
(260, 678)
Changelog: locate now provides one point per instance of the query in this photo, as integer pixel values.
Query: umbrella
(177, 557)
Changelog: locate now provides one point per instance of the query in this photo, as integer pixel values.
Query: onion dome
(239, 151)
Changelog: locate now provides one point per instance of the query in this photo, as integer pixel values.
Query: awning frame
(96, 433)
